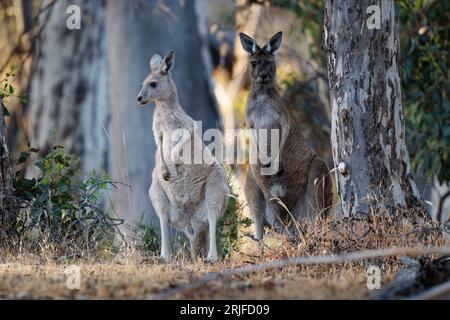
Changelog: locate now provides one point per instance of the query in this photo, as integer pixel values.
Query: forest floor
(148, 279)
(133, 275)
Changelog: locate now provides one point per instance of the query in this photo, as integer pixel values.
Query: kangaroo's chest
(186, 187)
(173, 131)
(262, 113)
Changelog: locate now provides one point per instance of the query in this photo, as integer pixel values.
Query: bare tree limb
(437, 292)
(19, 48)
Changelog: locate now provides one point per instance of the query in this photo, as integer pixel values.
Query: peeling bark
(6, 188)
(368, 126)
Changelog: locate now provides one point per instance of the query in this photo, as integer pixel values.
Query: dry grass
(131, 275)
(145, 281)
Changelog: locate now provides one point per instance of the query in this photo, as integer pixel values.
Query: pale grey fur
(190, 197)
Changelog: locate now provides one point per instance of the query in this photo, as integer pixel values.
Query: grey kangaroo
(191, 197)
(301, 182)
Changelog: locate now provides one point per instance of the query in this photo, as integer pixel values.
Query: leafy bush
(228, 226)
(7, 90)
(58, 207)
(425, 65)
(149, 237)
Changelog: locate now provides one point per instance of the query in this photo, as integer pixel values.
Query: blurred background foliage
(425, 35)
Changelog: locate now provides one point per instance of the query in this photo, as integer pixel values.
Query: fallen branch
(421, 279)
(441, 291)
(313, 260)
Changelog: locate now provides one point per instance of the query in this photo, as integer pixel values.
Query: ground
(146, 280)
(132, 274)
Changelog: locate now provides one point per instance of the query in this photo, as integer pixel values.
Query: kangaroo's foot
(211, 259)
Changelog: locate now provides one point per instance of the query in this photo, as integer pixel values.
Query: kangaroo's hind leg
(256, 203)
(162, 207)
(319, 195)
(199, 244)
(216, 200)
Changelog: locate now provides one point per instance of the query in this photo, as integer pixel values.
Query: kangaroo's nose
(139, 99)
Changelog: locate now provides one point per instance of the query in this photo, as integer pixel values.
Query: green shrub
(59, 207)
(149, 238)
(425, 65)
(228, 226)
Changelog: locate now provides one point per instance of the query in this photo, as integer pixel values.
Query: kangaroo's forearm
(163, 162)
(186, 136)
(159, 144)
(284, 136)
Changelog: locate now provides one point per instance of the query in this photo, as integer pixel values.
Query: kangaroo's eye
(153, 84)
(253, 64)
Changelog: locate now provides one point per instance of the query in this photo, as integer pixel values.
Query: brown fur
(302, 183)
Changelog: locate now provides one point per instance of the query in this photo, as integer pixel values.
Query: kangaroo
(301, 183)
(189, 197)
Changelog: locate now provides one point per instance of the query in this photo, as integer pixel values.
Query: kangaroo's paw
(166, 176)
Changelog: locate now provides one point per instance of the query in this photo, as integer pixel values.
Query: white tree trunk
(136, 32)
(368, 127)
(69, 84)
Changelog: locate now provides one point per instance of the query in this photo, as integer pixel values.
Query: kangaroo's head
(262, 61)
(158, 84)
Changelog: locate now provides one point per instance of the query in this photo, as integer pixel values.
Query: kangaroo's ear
(274, 43)
(248, 44)
(169, 61)
(156, 62)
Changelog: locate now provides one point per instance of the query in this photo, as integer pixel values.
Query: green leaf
(27, 184)
(28, 196)
(37, 212)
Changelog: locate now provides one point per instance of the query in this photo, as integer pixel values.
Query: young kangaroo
(190, 197)
(301, 182)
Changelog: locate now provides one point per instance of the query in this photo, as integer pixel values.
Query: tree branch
(19, 47)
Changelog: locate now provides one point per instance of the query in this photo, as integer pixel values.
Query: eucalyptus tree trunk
(368, 126)
(6, 216)
(24, 12)
(137, 30)
(68, 85)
